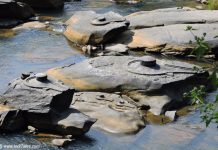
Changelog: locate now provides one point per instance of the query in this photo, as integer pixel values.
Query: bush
(213, 4)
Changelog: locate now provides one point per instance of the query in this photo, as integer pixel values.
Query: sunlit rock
(164, 17)
(88, 27)
(158, 84)
(171, 39)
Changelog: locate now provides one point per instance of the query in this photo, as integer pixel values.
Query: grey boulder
(87, 27)
(38, 95)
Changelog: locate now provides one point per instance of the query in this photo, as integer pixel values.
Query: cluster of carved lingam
(115, 89)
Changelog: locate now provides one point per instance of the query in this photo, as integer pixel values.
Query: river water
(37, 51)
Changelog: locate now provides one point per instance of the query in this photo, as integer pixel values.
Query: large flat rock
(88, 27)
(123, 73)
(160, 87)
(147, 19)
(170, 39)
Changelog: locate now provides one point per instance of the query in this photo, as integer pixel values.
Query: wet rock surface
(44, 104)
(88, 27)
(114, 113)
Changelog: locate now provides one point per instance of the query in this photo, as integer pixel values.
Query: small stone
(171, 114)
(61, 142)
(31, 129)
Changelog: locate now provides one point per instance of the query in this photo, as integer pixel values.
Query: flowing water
(38, 50)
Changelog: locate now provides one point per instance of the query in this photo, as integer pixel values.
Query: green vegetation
(208, 110)
(213, 4)
(202, 47)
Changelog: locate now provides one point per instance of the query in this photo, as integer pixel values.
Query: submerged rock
(87, 27)
(159, 84)
(114, 113)
(52, 4)
(171, 39)
(31, 25)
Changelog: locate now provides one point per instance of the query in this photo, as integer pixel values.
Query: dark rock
(115, 114)
(9, 23)
(13, 13)
(44, 4)
(87, 27)
(14, 10)
(160, 87)
(11, 120)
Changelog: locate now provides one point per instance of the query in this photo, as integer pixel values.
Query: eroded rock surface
(159, 84)
(171, 39)
(87, 27)
(114, 113)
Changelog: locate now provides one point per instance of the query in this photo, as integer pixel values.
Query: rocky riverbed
(119, 94)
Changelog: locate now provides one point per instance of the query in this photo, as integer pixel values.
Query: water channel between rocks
(38, 50)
